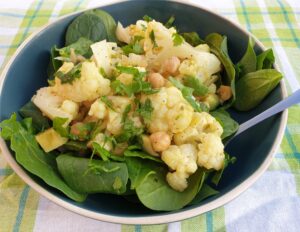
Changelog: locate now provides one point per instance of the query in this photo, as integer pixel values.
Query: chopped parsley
(170, 22)
(145, 110)
(177, 39)
(134, 47)
(194, 83)
(107, 102)
(187, 93)
(152, 37)
(69, 76)
(147, 18)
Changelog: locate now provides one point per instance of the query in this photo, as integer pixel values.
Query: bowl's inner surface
(28, 73)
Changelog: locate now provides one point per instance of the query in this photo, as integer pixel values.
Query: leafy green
(77, 146)
(125, 113)
(170, 22)
(147, 18)
(105, 154)
(142, 155)
(107, 102)
(69, 76)
(145, 110)
(33, 158)
(84, 131)
(139, 170)
(218, 46)
(95, 25)
(177, 39)
(187, 93)
(152, 37)
(155, 193)
(29, 110)
(229, 125)
(134, 47)
(193, 38)
(58, 126)
(194, 83)
(93, 176)
(248, 62)
(53, 65)
(265, 60)
(130, 131)
(252, 88)
(81, 47)
(138, 85)
(217, 176)
(205, 192)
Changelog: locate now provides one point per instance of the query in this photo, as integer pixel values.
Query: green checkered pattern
(274, 22)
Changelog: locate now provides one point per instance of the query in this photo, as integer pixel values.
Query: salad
(137, 111)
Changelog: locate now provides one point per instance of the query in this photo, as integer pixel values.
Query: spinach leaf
(187, 93)
(248, 62)
(155, 193)
(93, 176)
(81, 47)
(205, 192)
(194, 83)
(142, 155)
(29, 110)
(265, 60)
(217, 176)
(177, 39)
(139, 170)
(77, 146)
(69, 76)
(252, 88)
(34, 159)
(95, 25)
(229, 125)
(218, 46)
(58, 126)
(193, 38)
(53, 65)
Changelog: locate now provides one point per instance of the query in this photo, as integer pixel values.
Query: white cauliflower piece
(181, 159)
(102, 141)
(210, 152)
(114, 123)
(203, 48)
(177, 180)
(125, 78)
(103, 54)
(88, 87)
(171, 112)
(201, 123)
(122, 33)
(98, 109)
(53, 105)
(134, 60)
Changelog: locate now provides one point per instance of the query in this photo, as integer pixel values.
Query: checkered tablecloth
(271, 204)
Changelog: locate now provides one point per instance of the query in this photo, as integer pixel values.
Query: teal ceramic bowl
(26, 72)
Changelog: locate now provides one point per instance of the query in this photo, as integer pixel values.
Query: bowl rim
(145, 220)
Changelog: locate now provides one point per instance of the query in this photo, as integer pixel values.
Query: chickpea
(224, 93)
(156, 80)
(160, 141)
(171, 65)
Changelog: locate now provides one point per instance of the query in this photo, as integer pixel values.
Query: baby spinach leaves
(95, 25)
(193, 38)
(39, 122)
(34, 159)
(252, 88)
(93, 176)
(265, 60)
(229, 125)
(80, 47)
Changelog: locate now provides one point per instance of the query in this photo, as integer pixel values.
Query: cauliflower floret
(122, 33)
(53, 105)
(125, 78)
(134, 60)
(181, 159)
(120, 103)
(114, 123)
(102, 141)
(170, 112)
(88, 87)
(177, 180)
(201, 123)
(98, 109)
(210, 152)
